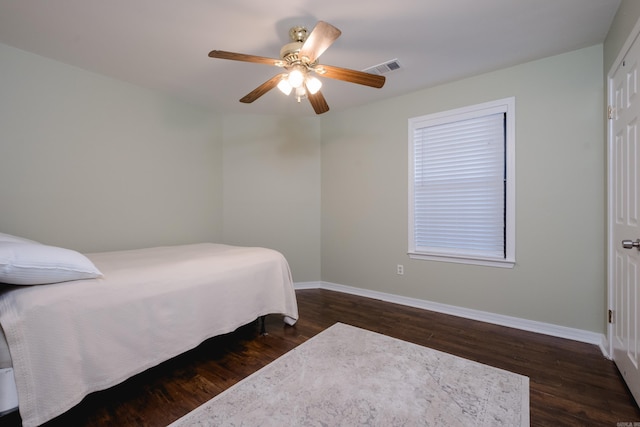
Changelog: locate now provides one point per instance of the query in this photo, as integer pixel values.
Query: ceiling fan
(299, 59)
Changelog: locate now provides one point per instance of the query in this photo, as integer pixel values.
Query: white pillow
(36, 264)
(10, 238)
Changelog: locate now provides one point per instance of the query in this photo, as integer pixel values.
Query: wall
(559, 277)
(624, 22)
(272, 187)
(95, 164)
(626, 17)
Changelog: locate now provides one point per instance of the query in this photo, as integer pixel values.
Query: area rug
(347, 376)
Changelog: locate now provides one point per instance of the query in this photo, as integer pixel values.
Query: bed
(132, 310)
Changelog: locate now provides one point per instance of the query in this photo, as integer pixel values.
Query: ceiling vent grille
(384, 68)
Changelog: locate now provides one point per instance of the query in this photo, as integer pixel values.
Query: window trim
(507, 106)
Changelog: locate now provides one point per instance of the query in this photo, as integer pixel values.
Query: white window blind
(459, 186)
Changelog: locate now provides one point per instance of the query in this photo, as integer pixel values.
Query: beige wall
(559, 277)
(626, 17)
(624, 22)
(95, 164)
(272, 187)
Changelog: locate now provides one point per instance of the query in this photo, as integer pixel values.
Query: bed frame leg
(263, 329)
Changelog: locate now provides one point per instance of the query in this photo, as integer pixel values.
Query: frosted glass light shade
(296, 78)
(313, 84)
(284, 86)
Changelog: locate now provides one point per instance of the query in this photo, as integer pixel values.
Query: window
(462, 185)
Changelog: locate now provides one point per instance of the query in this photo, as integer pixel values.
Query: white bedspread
(70, 339)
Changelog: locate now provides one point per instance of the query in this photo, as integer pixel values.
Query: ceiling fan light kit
(284, 85)
(297, 75)
(313, 84)
(299, 59)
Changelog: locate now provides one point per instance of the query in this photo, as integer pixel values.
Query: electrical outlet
(400, 269)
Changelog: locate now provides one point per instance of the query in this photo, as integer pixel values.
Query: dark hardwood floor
(571, 383)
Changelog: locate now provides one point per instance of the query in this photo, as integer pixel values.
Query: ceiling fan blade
(262, 89)
(318, 102)
(352, 76)
(322, 36)
(246, 58)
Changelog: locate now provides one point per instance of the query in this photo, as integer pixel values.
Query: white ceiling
(163, 44)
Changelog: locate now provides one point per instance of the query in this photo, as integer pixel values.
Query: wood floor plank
(571, 383)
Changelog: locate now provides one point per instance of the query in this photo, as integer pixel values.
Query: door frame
(631, 38)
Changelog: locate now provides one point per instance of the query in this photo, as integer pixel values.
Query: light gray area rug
(347, 376)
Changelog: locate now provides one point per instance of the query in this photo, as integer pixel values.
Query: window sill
(487, 262)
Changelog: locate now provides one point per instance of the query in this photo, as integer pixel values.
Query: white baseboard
(483, 316)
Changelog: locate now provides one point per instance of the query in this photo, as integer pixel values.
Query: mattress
(70, 339)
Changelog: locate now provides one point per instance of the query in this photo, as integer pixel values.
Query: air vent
(384, 68)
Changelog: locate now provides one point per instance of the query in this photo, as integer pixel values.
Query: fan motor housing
(289, 51)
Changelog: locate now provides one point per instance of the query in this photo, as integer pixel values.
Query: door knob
(628, 244)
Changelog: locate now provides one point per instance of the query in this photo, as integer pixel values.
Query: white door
(624, 217)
